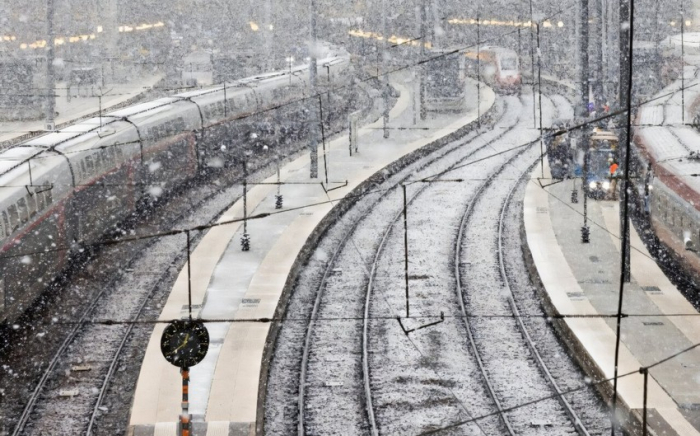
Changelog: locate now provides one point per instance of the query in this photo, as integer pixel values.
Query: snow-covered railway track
(565, 403)
(353, 382)
(363, 365)
(80, 371)
(387, 189)
(498, 334)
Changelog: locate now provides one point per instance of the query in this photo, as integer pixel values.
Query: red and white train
(498, 67)
(668, 165)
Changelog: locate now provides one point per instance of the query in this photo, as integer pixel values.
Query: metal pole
(226, 100)
(585, 231)
(624, 267)
(50, 77)
(313, 127)
(478, 67)
(323, 138)
(532, 62)
(385, 31)
(539, 92)
(583, 52)
(424, 40)
(598, 35)
(645, 371)
(245, 239)
(245, 206)
(189, 276)
(682, 63)
(625, 98)
(185, 417)
(405, 245)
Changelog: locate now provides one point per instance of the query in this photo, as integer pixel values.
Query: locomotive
(67, 189)
(498, 67)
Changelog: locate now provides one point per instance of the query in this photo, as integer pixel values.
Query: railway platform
(582, 281)
(228, 283)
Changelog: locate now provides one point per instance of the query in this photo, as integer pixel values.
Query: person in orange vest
(613, 176)
(613, 169)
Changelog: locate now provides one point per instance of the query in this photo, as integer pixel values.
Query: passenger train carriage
(665, 174)
(67, 189)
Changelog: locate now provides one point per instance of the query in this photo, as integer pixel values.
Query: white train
(67, 189)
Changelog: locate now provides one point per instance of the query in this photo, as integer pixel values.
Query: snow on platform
(232, 284)
(583, 279)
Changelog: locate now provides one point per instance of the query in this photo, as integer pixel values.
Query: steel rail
(31, 403)
(460, 297)
(578, 424)
(458, 288)
(301, 431)
(380, 249)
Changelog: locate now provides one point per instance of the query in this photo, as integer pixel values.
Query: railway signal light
(278, 201)
(245, 242)
(574, 196)
(585, 234)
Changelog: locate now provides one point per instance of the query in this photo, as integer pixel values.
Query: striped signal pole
(185, 416)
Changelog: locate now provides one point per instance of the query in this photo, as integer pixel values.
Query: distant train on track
(445, 85)
(498, 67)
(68, 189)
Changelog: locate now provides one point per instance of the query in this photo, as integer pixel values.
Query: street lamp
(290, 60)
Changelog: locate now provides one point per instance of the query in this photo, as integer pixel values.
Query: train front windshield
(599, 164)
(509, 64)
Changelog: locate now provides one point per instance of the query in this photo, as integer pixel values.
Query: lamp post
(585, 230)
(313, 127)
(683, 63)
(290, 60)
(50, 77)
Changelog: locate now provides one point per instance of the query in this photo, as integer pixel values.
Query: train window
(2, 231)
(40, 201)
(82, 170)
(31, 205)
(48, 195)
(179, 124)
(108, 158)
(98, 162)
(89, 165)
(23, 210)
(14, 217)
(6, 223)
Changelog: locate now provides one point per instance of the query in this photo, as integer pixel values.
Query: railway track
(392, 383)
(328, 271)
(497, 345)
(335, 246)
(80, 371)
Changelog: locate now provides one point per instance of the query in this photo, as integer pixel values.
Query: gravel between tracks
(428, 378)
